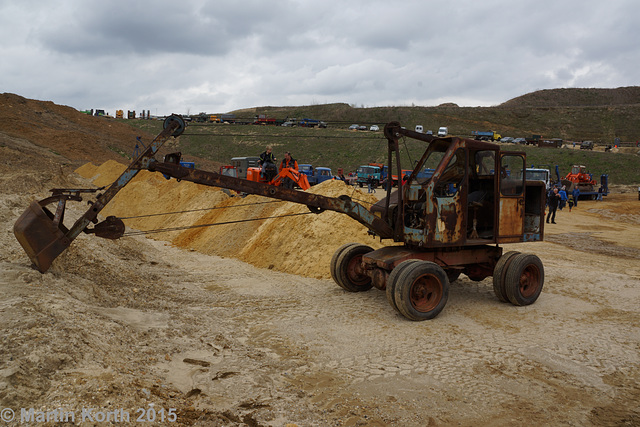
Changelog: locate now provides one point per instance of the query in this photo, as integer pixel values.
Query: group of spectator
(557, 198)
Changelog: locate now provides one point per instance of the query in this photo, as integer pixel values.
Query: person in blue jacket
(563, 197)
(576, 194)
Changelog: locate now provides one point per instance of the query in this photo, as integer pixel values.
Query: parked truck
(309, 123)
(368, 174)
(376, 172)
(222, 118)
(550, 143)
(486, 136)
(315, 175)
(239, 166)
(539, 174)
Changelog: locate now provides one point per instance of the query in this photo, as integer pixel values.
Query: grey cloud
(213, 56)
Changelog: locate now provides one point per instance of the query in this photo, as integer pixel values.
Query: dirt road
(137, 323)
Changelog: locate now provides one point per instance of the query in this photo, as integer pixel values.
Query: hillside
(577, 97)
(65, 131)
(571, 114)
(79, 138)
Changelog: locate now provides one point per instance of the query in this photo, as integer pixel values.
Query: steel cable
(187, 227)
(200, 210)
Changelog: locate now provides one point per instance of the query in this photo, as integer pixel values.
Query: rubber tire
(346, 263)
(498, 275)
(524, 279)
(393, 278)
(334, 262)
(409, 285)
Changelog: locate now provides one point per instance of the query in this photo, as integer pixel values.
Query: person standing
(291, 163)
(576, 194)
(563, 197)
(553, 200)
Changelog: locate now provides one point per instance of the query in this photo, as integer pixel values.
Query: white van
(419, 128)
(443, 131)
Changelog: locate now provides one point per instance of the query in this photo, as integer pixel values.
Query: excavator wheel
(524, 279)
(421, 291)
(349, 272)
(334, 262)
(393, 278)
(499, 273)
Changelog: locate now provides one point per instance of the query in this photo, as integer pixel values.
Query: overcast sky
(190, 56)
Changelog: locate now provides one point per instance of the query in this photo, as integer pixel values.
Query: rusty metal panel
(449, 220)
(415, 236)
(532, 226)
(511, 219)
(389, 257)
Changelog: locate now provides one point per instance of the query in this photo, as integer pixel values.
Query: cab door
(511, 201)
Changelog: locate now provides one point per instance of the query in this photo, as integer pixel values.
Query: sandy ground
(139, 324)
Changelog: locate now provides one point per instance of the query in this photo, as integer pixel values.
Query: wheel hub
(426, 293)
(529, 281)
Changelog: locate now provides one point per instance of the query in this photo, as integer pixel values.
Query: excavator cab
(475, 196)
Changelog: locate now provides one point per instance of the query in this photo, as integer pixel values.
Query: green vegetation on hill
(577, 97)
(571, 114)
(337, 148)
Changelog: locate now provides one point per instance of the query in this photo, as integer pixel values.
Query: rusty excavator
(449, 223)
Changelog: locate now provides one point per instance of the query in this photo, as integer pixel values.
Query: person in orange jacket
(288, 162)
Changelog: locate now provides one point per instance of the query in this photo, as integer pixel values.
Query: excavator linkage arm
(316, 202)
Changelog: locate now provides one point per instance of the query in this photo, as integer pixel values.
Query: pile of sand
(302, 244)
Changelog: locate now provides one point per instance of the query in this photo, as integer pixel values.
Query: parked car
(429, 132)
(419, 128)
(586, 145)
(507, 139)
(354, 127)
(362, 127)
(289, 124)
(520, 141)
(374, 128)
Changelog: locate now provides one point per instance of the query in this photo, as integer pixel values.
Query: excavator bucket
(42, 239)
(303, 182)
(42, 233)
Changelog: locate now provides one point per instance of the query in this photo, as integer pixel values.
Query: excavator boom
(44, 236)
